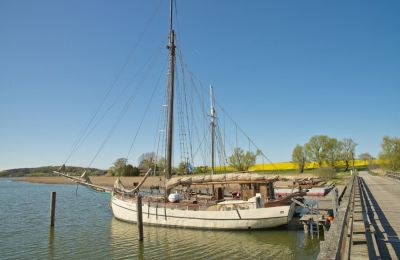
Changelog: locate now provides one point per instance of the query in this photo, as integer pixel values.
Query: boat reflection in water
(286, 242)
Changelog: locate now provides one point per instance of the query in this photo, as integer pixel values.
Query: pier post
(306, 227)
(139, 217)
(335, 202)
(325, 228)
(312, 228)
(52, 208)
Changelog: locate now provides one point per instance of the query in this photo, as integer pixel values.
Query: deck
(382, 208)
(368, 222)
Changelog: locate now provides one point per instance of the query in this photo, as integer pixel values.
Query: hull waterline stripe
(203, 218)
(195, 227)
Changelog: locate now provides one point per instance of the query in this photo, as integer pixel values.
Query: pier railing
(335, 244)
(393, 175)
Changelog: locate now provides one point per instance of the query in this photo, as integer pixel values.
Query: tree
(121, 168)
(131, 170)
(316, 149)
(150, 160)
(184, 168)
(118, 169)
(147, 160)
(368, 160)
(160, 164)
(348, 150)
(366, 157)
(333, 151)
(299, 157)
(390, 154)
(241, 160)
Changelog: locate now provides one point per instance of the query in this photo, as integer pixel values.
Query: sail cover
(220, 178)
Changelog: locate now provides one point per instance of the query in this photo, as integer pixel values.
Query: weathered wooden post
(139, 217)
(335, 202)
(306, 227)
(312, 228)
(52, 208)
(325, 228)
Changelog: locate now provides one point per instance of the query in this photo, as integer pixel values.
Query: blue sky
(285, 70)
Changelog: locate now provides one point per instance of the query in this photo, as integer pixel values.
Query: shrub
(326, 173)
(131, 171)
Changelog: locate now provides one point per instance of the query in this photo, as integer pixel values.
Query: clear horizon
(284, 70)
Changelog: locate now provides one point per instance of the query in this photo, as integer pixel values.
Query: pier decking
(382, 206)
(368, 222)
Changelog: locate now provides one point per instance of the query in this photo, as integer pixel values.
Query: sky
(285, 71)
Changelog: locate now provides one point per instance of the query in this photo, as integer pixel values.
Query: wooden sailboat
(253, 207)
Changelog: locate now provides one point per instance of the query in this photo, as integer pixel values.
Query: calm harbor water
(86, 229)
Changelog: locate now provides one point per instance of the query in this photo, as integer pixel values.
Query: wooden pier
(314, 223)
(381, 197)
(367, 225)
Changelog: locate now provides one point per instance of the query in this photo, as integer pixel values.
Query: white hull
(316, 191)
(255, 218)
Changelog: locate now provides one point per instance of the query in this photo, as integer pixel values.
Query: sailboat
(254, 206)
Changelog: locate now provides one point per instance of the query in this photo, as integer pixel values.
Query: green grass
(341, 178)
(373, 173)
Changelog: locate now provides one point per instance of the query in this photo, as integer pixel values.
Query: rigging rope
(124, 110)
(251, 141)
(220, 140)
(83, 134)
(185, 94)
(161, 132)
(146, 110)
(202, 109)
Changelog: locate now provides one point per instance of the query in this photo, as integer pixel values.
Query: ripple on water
(85, 229)
(199, 244)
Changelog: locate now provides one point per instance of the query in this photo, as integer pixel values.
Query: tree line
(48, 171)
(389, 156)
(146, 161)
(240, 160)
(325, 151)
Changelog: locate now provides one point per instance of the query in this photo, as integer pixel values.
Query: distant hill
(48, 171)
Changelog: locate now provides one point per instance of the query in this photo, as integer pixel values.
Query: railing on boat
(196, 205)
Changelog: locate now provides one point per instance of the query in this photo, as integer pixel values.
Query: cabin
(243, 185)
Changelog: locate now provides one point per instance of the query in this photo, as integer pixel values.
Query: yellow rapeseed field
(281, 166)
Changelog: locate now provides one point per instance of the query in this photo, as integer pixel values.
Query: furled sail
(118, 186)
(220, 179)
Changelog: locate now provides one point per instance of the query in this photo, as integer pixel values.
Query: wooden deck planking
(383, 210)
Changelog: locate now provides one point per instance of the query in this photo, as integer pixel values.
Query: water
(86, 229)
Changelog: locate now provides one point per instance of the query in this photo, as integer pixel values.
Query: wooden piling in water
(312, 228)
(139, 217)
(52, 208)
(306, 228)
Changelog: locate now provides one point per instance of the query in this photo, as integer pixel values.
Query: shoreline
(108, 181)
(105, 181)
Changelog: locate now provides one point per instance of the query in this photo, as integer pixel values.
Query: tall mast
(171, 48)
(212, 125)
